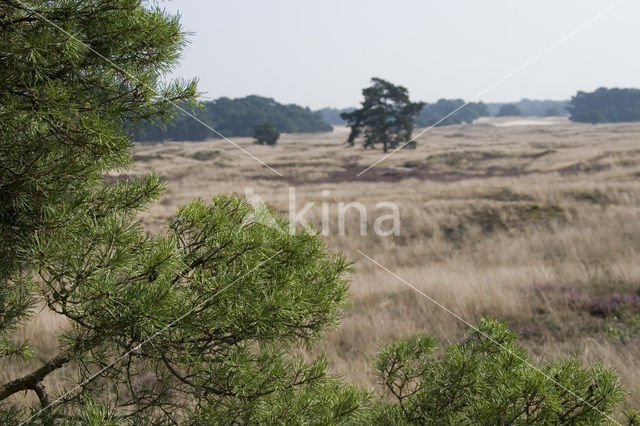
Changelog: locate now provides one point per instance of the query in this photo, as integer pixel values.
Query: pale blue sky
(322, 53)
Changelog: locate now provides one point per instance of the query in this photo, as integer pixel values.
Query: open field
(534, 222)
(537, 224)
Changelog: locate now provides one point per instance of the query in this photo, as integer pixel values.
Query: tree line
(248, 115)
(429, 114)
(433, 112)
(532, 107)
(387, 116)
(233, 117)
(446, 112)
(240, 116)
(605, 106)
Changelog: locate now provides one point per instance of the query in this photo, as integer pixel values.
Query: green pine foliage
(200, 321)
(487, 378)
(62, 106)
(238, 297)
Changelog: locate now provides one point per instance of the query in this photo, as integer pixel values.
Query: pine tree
(197, 322)
(386, 116)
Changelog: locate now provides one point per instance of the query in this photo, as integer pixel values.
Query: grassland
(534, 222)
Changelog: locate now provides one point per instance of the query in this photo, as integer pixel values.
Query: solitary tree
(265, 134)
(509, 110)
(386, 116)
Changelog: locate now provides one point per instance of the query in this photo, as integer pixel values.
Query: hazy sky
(322, 53)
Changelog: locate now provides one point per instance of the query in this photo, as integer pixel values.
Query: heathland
(532, 221)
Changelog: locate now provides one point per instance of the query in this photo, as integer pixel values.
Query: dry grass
(536, 224)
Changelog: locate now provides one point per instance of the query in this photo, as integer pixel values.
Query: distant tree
(509, 110)
(538, 108)
(386, 115)
(265, 134)
(605, 105)
(552, 112)
(434, 114)
(480, 109)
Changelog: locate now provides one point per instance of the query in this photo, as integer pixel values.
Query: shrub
(265, 134)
